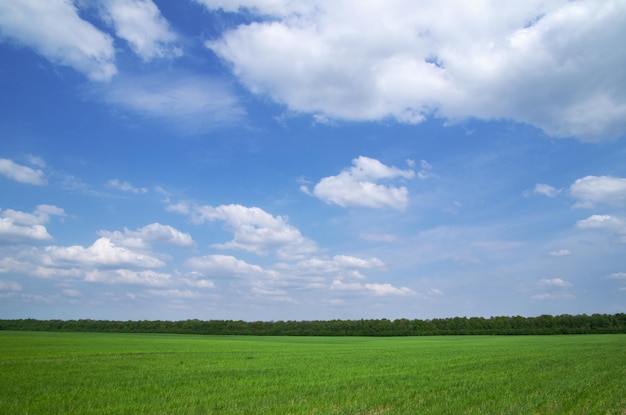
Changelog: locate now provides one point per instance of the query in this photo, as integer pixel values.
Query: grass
(89, 373)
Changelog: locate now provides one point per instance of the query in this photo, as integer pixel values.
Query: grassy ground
(81, 373)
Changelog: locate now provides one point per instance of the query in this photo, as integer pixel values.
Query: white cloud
(173, 293)
(546, 190)
(599, 190)
(618, 275)
(141, 24)
(556, 65)
(102, 253)
(372, 288)
(223, 265)
(17, 226)
(358, 186)
(54, 29)
(342, 267)
(554, 282)
(355, 262)
(126, 186)
(126, 276)
(256, 231)
(552, 289)
(560, 252)
(388, 289)
(606, 223)
(152, 234)
(22, 174)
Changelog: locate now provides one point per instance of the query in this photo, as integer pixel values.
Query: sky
(311, 159)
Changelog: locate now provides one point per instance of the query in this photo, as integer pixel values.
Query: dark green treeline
(544, 324)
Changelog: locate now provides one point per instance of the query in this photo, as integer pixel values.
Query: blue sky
(281, 160)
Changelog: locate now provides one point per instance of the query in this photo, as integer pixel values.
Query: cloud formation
(358, 186)
(149, 235)
(606, 223)
(545, 190)
(591, 191)
(126, 186)
(195, 103)
(102, 253)
(552, 289)
(20, 173)
(140, 23)
(17, 226)
(55, 30)
(254, 230)
(555, 65)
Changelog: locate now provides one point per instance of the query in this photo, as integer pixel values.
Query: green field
(86, 373)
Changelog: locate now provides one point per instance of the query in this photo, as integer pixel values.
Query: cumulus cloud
(358, 186)
(149, 235)
(102, 253)
(17, 226)
(256, 231)
(556, 65)
(20, 173)
(55, 30)
(591, 191)
(140, 23)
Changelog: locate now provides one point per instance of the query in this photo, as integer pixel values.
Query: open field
(87, 373)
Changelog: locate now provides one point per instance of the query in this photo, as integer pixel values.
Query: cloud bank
(553, 64)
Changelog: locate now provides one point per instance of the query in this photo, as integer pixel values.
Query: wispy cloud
(545, 190)
(126, 186)
(192, 103)
(560, 252)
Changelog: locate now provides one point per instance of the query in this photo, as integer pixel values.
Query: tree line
(517, 325)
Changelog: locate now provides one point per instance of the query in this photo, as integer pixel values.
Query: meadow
(113, 373)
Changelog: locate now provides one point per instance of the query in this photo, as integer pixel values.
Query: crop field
(95, 373)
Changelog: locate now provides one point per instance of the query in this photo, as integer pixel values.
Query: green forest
(517, 325)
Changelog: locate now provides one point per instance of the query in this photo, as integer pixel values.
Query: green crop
(87, 373)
